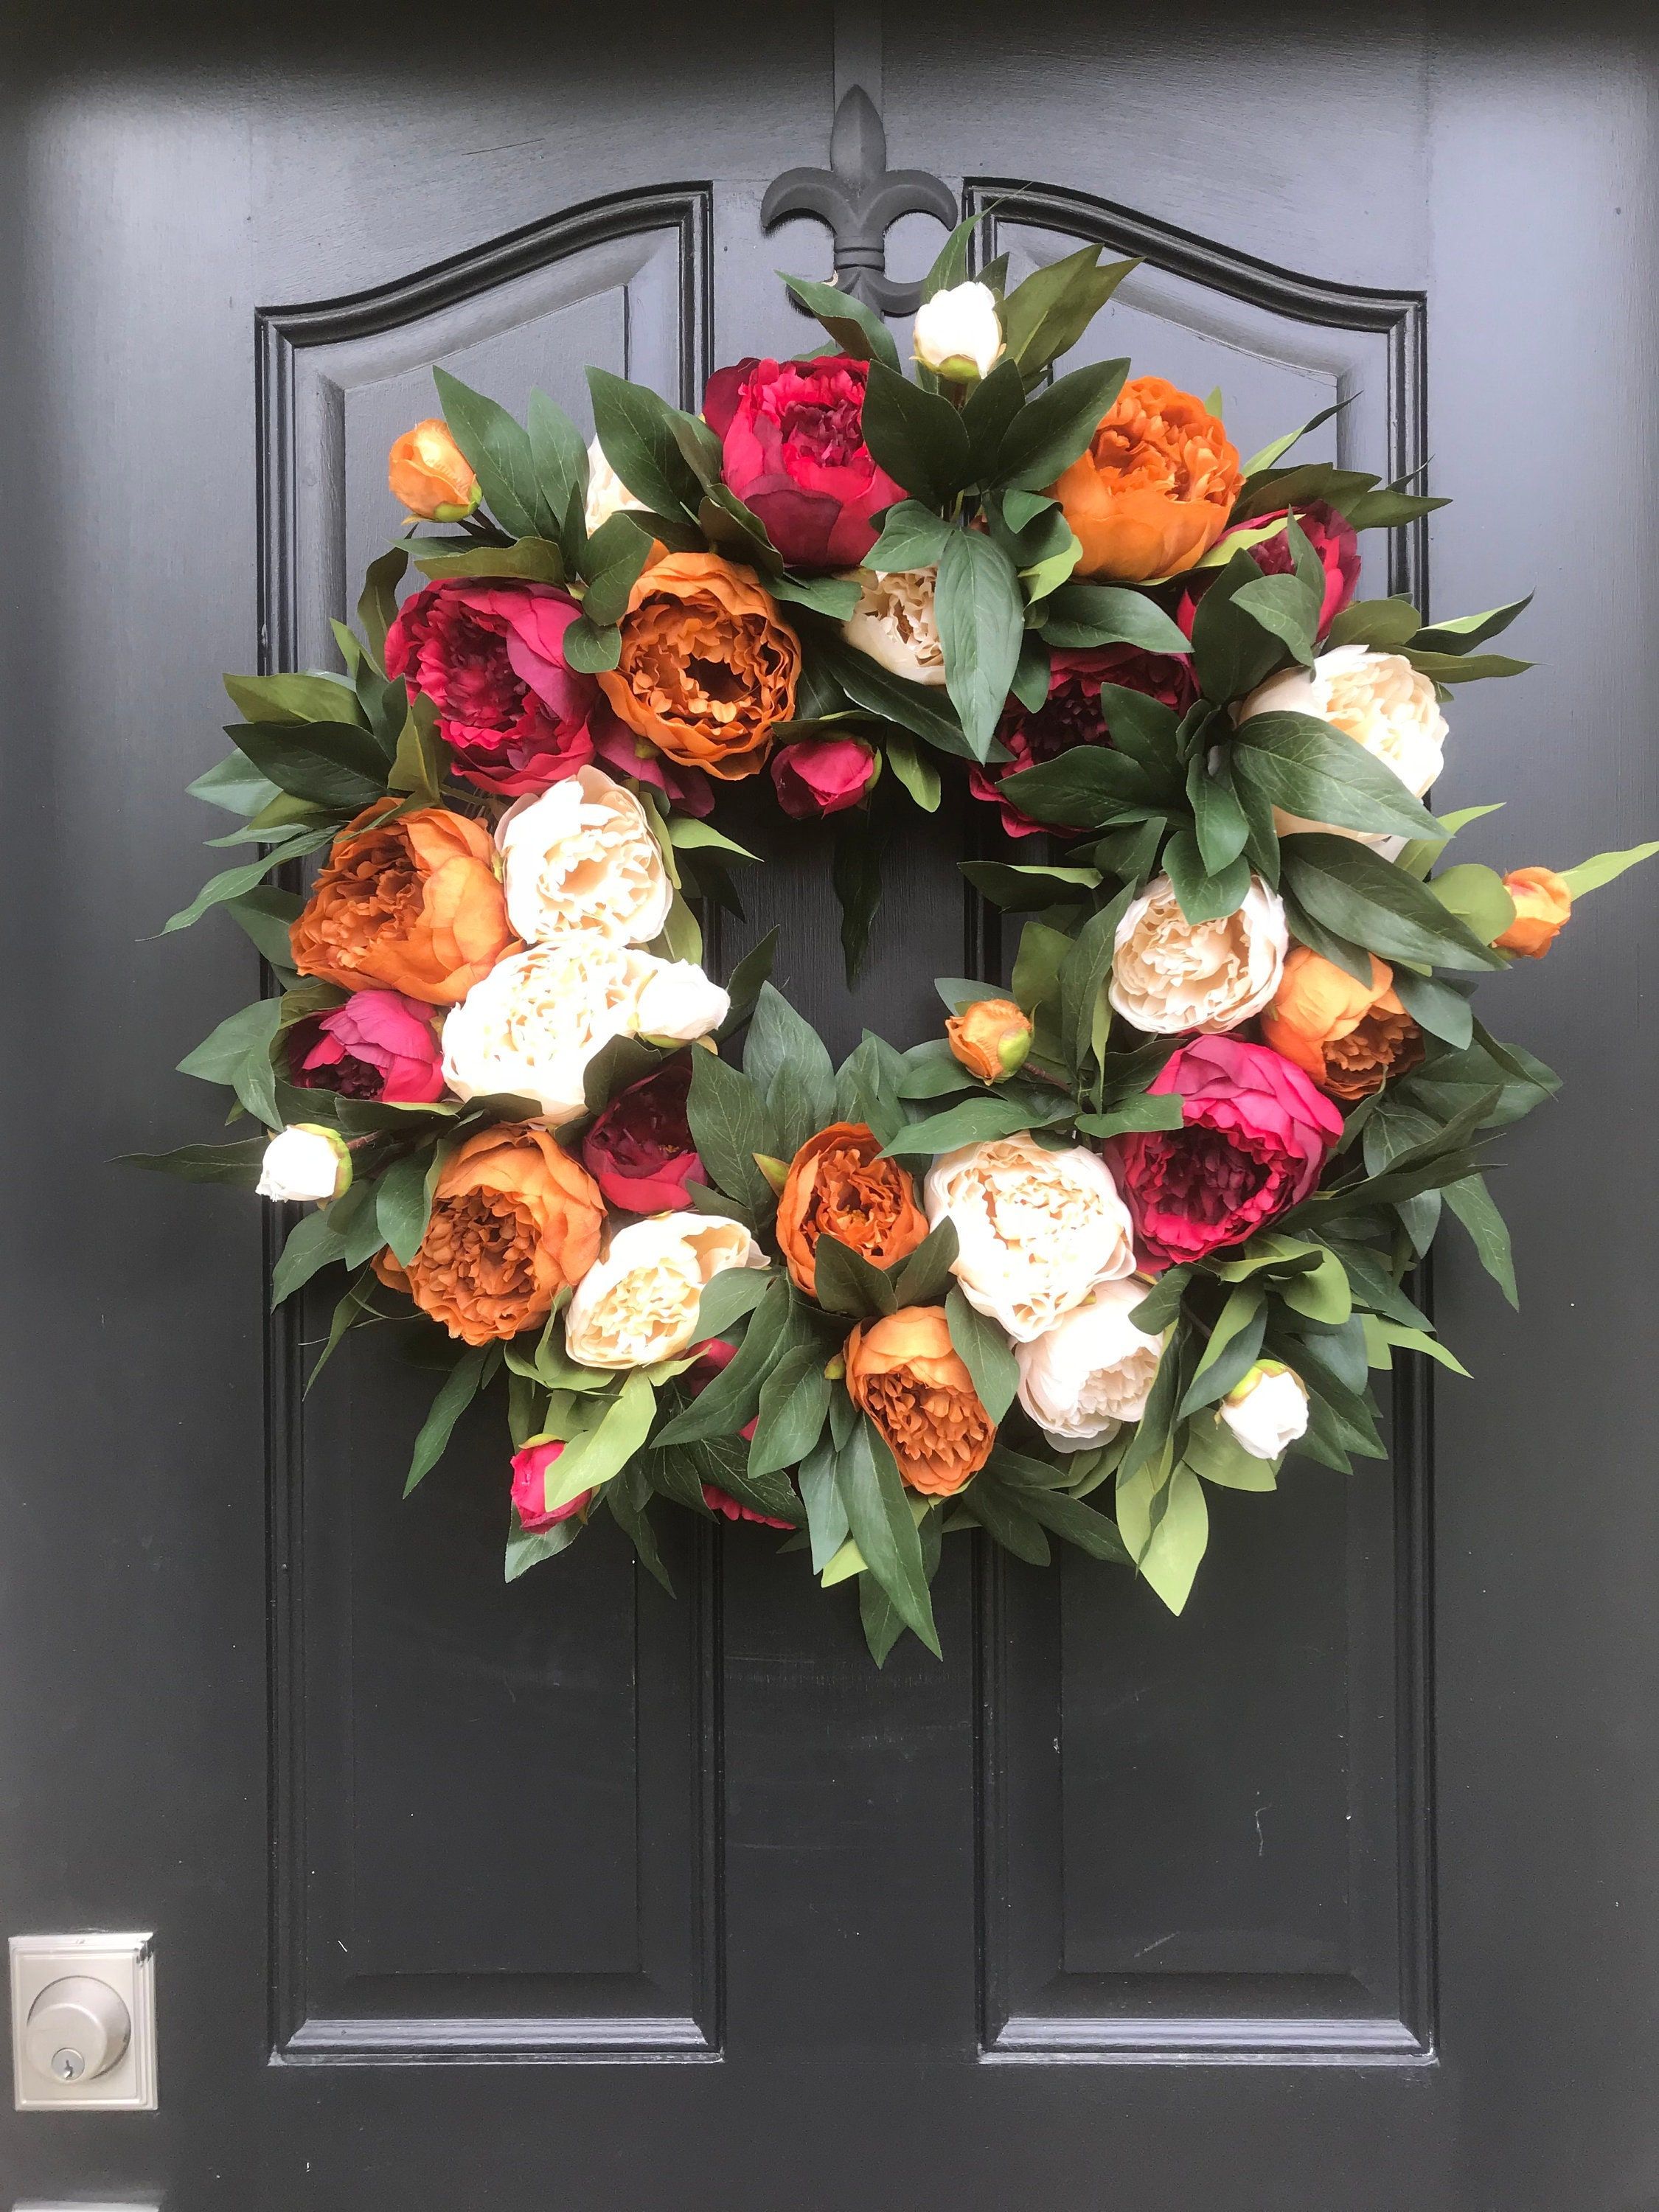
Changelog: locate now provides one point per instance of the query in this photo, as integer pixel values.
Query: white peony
(1269, 1410)
(1036, 1229)
(532, 1025)
(581, 857)
(639, 1303)
(1377, 699)
(607, 495)
(894, 623)
(1082, 1379)
(305, 1162)
(958, 333)
(1171, 977)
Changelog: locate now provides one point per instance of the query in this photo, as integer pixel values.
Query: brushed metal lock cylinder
(83, 2023)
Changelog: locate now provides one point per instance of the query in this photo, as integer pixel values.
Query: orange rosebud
(413, 903)
(904, 1372)
(1542, 905)
(708, 668)
(991, 1038)
(431, 475)
(514, 1221)
(1151, 492)
(1349, 1037)
(835, 1185)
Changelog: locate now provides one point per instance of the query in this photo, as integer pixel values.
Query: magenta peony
(1332, 537)
(794, 452)
(1072, 715)
(1255, 1136)
(490, 657)
(530, 1469)
(720, 1501)
(378, 1045)
(823, 775)
(639, 1150)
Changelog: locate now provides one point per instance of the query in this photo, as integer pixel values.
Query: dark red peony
(794, 437)
(1255, 1138)
(378, 1045)
(1331, 535)
(639, 1149)
(821, 775)
(1072, 715)
(490, 657)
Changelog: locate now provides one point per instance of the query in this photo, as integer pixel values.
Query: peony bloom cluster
(895, 623)
(1377, 699)
(1036, 1229)
(1151, 494)
(1074, 714)
(1082, 1379)
(639, 1303)
(1170, 976)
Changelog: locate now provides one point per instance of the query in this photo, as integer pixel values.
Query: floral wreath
(1142, 1224)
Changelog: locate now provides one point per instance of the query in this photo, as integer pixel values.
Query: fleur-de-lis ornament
(861, 199)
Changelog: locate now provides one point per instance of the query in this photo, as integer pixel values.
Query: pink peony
(794, 452)
(530, 1469)
(378, 1045)
(639, 1150)
(1255, 1136)
(823, 775)
(719, 1501)
(1331, 535)
(1071, 715)
(490, 657)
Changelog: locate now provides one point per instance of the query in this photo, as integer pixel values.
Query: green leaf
(855, 874)
(794, 1400)
(878, 1514)
(1044, 316)
(1110, 614)
(1471, 1202)
(1049, 433)
(1202, 895)
(1231, 1351)
(1083, 789)
(912, 536)
(1420, 855)
(727, 1297)
(1311, 769)
(636, 434)
(266, 915)
(1369, 900)
(1383, 624)
(923, 1279)
(616, 554)
(1007, 1519)
(729, 1126)
(1459, 668)
(980, 623)
(1220, 827)
(846, 1283)
(778, 1039)
(1162, 1302)
(277, 699)
(460, 1386)
(727, 1403)
(1027, 889)
(1213, 1451)
(1177, 1541)
(836, 597)
(987, 412)
(534, 559)
(742, 984)
(1477, 897)
(921, 709)
(1436, 1007)
(378, 605)
(237, 1164)
(1145, 1110)
(313, 1243)
(219, 1057)
(405, 1205)
(590, 649)
(917, 436)
(1381, 1336)
(918, 775)
(1322, 1293)
(235, 785)
(335, 765)
(1074, 1523)
(499, 450)
(985, 1352)
(826, 1515)
(974, 1121)
(856, 329)
(602, 1452)
(1258, 463)
(1590, 875)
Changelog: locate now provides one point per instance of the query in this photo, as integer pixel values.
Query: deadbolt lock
(83, 2023)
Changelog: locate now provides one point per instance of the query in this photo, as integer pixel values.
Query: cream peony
(1269, 1410)
(532, 1025)
(305, 1162)
(607, 495)
(581, 857)
(639, 1303)
(1377, 699)
(1170, 977)
(1082, 1379)
(1035, 1230)
(958, 333)
(894, 623)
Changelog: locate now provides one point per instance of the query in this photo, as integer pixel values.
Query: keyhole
(68, 2065)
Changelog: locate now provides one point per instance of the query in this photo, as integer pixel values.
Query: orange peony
(708, 668)
(413, 904)
(835, 1184)
(1349, 1037)
(1152, 493)
(514, 1221)
(431, 475)
(1542, 905)
(904, 1372)
(991, 1038)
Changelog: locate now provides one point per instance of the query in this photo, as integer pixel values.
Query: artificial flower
(678, 1001)
(707, 667)
(904, 1372)
(379, 1044)
(640, 1148)
(489, 654)
(1377, 699)
(1255, 1135)
(429, 475)
(1542, 905)
(837, 1186)
(686, 789)
(639, 1303)
(894, 623)
(530, 1487)
(1082, 1379)
(823, 775)
(958, 333)
(582, 858)
(412, 904)
(730, 1509)
(1151, 493)
(514, 1221)
(1170, 976)
(791, 438)
(1349, 1037)
(991, 1038)
(305, 1162)
(1074, 714)
(1036, 1229)
(1267, 1409)
(1332, 535)
(607, 495)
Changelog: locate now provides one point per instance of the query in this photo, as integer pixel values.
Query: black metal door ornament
(860, 198)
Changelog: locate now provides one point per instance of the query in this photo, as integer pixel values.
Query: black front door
(1336, 1893)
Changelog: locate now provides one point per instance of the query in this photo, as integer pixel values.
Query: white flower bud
(678, 1000)
(1267, 1411)
(958, 333)
(607, 495)
(306, 1162)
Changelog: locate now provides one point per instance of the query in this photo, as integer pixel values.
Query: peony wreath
(1140, 1223)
